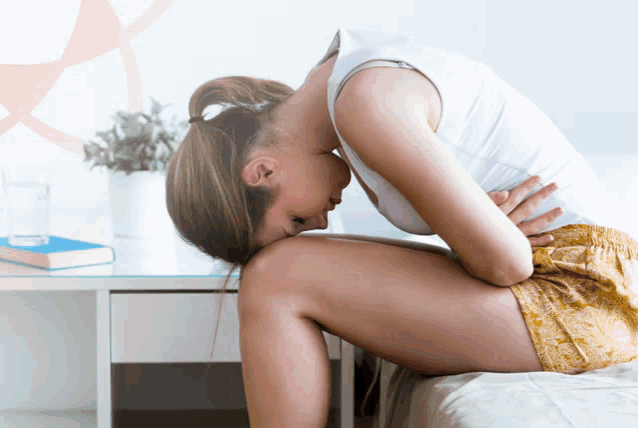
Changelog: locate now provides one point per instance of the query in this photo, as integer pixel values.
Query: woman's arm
(509, 202)
(383, 114)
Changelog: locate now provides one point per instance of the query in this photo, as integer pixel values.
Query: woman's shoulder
(384, 82)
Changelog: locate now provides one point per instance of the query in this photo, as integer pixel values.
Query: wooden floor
(205, 418)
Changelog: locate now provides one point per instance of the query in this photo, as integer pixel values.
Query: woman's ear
(258, 172)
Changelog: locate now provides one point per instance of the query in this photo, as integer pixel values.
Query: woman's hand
(509, 204)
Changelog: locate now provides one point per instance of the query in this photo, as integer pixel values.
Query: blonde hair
(210, 205)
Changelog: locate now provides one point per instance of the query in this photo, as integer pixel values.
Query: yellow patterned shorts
(581, 302)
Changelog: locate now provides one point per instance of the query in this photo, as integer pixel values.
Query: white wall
(573, 58)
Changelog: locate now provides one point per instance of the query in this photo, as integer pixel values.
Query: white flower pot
(138, 204)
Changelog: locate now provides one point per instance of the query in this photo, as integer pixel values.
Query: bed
(600, 398)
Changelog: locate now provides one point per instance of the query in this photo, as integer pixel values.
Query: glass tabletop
(165, 255)
(137, 257)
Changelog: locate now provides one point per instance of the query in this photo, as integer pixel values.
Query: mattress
(600, 398)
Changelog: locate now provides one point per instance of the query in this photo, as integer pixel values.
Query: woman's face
(310, 185)
(309, 176)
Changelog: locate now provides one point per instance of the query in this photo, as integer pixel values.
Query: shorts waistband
(592, 235)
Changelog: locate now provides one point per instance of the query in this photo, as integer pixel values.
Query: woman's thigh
(414, 308)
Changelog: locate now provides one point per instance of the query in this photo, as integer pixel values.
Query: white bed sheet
(600, 398)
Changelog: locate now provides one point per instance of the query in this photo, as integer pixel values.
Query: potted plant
(136, 151)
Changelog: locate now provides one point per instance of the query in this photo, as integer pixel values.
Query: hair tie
(195, 119)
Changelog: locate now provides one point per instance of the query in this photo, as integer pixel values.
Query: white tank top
(497, 134)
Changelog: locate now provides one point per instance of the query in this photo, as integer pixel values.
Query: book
(14, 269)
(59, 253)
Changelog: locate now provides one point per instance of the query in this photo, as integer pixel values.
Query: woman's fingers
(498, 197)
(518, 194)
(517, 211)
(524, 210)
(535, 226)
(540, 241)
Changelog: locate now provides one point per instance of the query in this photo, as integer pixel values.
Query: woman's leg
(413, 308)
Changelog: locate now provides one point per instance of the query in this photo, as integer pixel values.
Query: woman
(432, 137)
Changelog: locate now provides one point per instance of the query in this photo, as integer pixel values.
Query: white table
(142, 298)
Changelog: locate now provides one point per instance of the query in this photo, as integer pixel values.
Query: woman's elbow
(514, 275)
(499, 273)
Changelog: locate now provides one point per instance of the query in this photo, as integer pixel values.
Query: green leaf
(95, 149)
(91, 150)
(156, 109)
(116, 137)
(105, 135)
(148, 129)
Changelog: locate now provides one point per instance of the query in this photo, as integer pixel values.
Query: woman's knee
(268, 258)
(266, 284)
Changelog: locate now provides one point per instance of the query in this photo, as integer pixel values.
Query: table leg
(347, 385)
(104, 397)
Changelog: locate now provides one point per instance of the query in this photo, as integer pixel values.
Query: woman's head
(239, 180)
(208, 202)
(308, 179)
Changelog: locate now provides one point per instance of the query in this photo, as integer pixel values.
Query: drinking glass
(27, 195)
